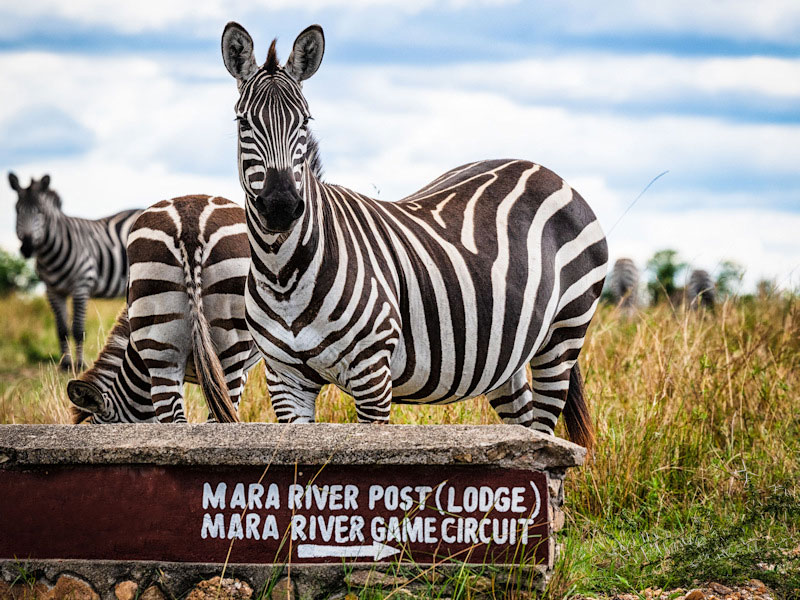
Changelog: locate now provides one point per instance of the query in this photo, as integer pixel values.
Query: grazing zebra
(700, 291)
(74, 257)
(184, 321)
(444, 295)
(623, 284)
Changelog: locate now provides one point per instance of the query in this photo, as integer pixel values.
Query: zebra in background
(623, 285)
(184, 321)
(700, 290)
(444, 295)
(74, 257)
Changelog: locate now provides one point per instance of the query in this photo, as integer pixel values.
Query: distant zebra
(623, 284)
(189, 259)
(700, 291)
(444, 295)
(74, 257)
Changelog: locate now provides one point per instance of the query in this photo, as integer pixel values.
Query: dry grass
(698, 446)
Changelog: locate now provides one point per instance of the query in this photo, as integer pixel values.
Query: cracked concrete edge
(212, 444)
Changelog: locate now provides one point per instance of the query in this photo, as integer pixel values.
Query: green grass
(696, 473)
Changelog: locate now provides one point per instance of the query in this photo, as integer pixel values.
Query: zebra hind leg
(513, 401)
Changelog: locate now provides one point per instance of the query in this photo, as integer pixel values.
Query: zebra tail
(576, 413)
(207, 367)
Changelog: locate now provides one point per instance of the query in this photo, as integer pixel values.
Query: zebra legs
(58, 303)
(79, 298)
(372, 392)
(292, 402)
(537, 406)
(513, 401)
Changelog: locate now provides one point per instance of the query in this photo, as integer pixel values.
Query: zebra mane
(272, 59)
(312, 156)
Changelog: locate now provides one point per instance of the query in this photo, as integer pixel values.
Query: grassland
(696, 473)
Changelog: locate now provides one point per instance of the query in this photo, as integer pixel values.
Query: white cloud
(162, 126)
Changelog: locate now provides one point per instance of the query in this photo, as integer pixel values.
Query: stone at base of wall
(306, 582)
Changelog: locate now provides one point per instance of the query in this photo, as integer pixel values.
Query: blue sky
(125, 105)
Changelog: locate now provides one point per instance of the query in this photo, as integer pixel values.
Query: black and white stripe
(623, 284)
(700, 290)
(444, 295)
(189, 259)
(74, 257)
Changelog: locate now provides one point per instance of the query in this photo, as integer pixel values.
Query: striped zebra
(444, 295)
(700, 290)
(184, 321)
(74, 257)
(623, 284)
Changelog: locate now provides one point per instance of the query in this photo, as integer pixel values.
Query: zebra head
(272, 117)
(111, 391)
(34, 204)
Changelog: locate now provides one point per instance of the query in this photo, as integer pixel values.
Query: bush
(16, 274)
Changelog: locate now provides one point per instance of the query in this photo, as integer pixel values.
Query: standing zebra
(700, 290)
(74, 257)
(189, 259)
(444, 295)
(623, 285)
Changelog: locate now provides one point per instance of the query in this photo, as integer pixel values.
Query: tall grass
(696, 472)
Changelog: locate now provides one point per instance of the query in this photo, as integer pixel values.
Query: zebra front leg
(79, 299)
(371, 389)
(513, 401)
(58, 303)
(291, 401)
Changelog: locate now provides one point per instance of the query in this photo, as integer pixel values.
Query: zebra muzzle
(27, 247)
(279, 204)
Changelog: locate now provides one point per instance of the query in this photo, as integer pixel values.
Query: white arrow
(376, 551)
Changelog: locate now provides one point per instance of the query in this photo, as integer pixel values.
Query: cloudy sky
(126, 103)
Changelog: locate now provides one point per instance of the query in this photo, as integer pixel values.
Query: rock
(720, 589)
(152, 593)
(126, 590)
(71, 588)
(757, 585)
(695, 595)
(482, 585)
(283, 590)
(364, 579)
(220, 589)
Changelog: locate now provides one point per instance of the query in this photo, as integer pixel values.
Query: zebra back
(700, 290)
(623, 285)
(189, 259)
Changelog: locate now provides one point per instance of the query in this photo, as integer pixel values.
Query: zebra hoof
(65, 364)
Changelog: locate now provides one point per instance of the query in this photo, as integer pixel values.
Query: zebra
(444, 295)
(700, 290)
(189, 259)
(623, 284)
(74, 257)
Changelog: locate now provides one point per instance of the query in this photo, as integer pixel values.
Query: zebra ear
(86, 396)
(306, 54)
(44, 182)
(237, 52)
(14, 181)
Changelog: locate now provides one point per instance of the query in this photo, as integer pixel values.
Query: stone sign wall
(299, 497)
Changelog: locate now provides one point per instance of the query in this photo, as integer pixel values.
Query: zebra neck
(280, 260)
(54, 239)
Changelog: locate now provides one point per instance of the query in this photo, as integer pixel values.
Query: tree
(664, 268)
(730, 278)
